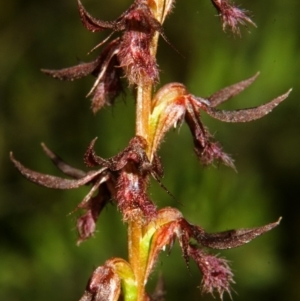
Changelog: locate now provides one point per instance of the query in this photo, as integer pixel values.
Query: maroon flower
(173, 103)
(138, 26)
(101, 180)
(216, 272)
(123, 178)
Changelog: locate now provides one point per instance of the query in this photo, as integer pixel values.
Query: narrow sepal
(63, 166)
(74, 72)
(52, 181)
(91, 23)
(90, 157)
(246, 115)
(232, 238)
(225, 94)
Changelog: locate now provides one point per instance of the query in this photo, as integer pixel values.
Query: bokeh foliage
(38, 256)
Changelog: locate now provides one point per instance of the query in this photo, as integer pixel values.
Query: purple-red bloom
(173, 104)
(102, 182)
(217, 276)
(123, 178)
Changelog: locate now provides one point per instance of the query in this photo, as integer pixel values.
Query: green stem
(137, 259)
(134, 237)
(143, 110)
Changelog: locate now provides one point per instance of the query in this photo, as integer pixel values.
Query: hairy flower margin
(124, 178)
(160, 228)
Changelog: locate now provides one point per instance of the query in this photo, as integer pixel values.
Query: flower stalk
(137, 258)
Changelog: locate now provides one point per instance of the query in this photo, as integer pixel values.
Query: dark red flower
(123, 178)
(138, 26)
(217, 276)
(133, 168)
(173, 103)
(101, 180)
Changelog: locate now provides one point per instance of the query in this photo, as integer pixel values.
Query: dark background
(39, 259)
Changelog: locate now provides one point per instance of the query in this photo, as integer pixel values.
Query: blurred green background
(39, 259)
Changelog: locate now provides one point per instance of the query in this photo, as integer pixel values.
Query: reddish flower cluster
(131, 53)
(124, 178)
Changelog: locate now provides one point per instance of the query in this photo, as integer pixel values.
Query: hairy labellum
(231, 15)
(135, 58)
(217, 275)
